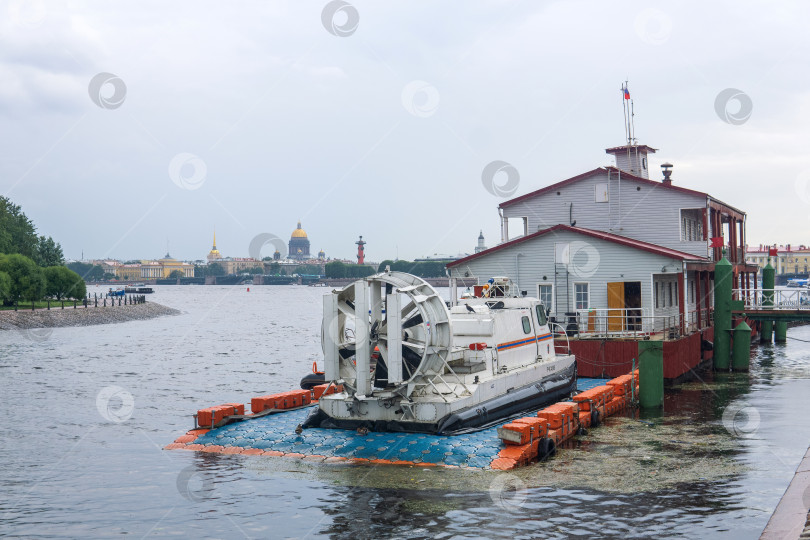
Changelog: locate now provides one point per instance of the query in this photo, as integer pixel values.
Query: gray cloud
(293, 123)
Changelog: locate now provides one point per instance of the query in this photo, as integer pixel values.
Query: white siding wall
(636, 210)
(529, 262)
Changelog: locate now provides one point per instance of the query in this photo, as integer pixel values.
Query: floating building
(614, 254)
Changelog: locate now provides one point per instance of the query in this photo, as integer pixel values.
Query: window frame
(550, 286)
(526, 321)
(587, 285)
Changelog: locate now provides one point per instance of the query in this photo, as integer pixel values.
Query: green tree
(48, 252)
(27, 279)
(421, 268)
(176, 274)
(215, 269)
(79, 288)
(335, 270)
(5, 287)
(17, 232)
(87, 272)
(61, 282)
(309, 269)
(273, 269)
(359, 270)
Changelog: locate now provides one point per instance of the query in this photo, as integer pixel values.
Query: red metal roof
(617, 149)
(615, 238)
(602, 170)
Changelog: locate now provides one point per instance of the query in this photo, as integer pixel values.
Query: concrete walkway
(790, 519)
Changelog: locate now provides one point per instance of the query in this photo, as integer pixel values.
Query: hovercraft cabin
(618, 258)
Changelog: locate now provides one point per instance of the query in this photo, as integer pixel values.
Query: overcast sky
(379, 120)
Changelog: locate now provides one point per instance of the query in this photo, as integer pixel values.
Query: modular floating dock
(273, 430)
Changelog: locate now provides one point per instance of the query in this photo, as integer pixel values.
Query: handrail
(563, 332)
(774, 299)
(640, 323)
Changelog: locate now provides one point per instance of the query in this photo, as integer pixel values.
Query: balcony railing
(639, 323)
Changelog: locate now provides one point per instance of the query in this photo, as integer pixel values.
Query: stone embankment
(81, 316)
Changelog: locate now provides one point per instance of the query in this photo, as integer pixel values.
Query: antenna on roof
(625, 97)
(632, 123)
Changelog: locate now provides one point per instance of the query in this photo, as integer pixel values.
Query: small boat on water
(409, 361)
(138, 288)
(116, 292)
(798, 282)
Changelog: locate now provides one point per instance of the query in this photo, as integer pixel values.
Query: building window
(581, 296)
(527, 325)
(691, 225)
(656, 294)
(669, 295)
(677, 300)
(545, 294)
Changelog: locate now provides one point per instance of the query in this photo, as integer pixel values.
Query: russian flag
(626, 93)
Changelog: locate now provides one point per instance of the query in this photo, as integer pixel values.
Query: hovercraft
(409, 361)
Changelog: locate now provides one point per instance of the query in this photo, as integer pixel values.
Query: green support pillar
(781, 332)
(768, 283)
(722, 314)
(741, 350)
(766, 333)
(650, 374)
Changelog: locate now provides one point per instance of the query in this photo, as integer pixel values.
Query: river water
(87, 411)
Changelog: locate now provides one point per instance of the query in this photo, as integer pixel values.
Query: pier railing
(639, 323)
(773, 299)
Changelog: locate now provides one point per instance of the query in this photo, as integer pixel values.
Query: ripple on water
(70, 471)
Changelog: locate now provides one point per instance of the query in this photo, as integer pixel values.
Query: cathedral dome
(299, 232)
(299, 244)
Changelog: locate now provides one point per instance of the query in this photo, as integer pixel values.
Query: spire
(215, 240)
(299, 224)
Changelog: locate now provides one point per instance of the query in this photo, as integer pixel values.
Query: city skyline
(115, 141)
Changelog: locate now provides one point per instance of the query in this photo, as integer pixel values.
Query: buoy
(248, 289)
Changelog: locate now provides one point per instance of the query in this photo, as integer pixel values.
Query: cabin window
(527, 325)
(545, 294)
(581, 296)
(541, 315)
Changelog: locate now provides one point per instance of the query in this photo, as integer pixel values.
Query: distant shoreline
(81, 316)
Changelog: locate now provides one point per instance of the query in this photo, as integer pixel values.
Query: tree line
(32, 266)
(338, 269)
(422, 269)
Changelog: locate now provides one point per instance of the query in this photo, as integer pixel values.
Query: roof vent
(667, 167)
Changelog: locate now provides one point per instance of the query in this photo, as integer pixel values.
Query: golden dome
(299, 232)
